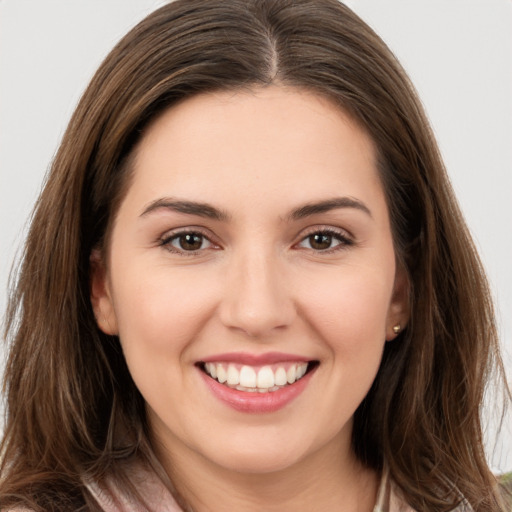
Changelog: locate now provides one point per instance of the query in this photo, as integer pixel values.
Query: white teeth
(243, 388)
(211, 369)
(265, 377)
(291, 374)
(221, 373)
(233, 376)
(280, 377)
(249, 379)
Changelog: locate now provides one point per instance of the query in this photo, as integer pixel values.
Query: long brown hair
(73, 411)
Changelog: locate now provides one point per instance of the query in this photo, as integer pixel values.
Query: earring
(397, 328)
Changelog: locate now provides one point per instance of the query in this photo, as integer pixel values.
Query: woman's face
(253, 244)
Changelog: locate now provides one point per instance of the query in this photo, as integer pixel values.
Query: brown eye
(326, 241)
(186, 242)
(320, 241)
(190, 241)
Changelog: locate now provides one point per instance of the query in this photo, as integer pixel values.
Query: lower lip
(245, 401)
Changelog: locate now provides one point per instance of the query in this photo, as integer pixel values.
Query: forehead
(252, 144)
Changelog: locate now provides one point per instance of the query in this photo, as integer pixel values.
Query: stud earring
(397, 328)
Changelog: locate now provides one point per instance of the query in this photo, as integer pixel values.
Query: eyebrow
(211, 212)
(188, 207)
(330, 204)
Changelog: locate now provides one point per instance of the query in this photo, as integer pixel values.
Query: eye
(325, 241)
(189, 241)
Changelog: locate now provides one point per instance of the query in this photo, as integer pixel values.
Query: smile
(257, 384)
(254, 379)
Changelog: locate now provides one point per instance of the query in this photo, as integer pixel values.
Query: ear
(399, 307)
(101, 297)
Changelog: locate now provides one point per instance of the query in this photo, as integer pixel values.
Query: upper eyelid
(325, 228)
(172, 233)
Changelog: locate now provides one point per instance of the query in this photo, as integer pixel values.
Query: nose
(257, 299)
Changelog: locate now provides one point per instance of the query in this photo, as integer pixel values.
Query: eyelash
(167, 240)
(344, 241)
(342, 237)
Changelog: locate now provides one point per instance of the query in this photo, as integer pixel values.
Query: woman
(247, 284)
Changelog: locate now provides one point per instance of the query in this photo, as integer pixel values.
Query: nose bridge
(256, 298)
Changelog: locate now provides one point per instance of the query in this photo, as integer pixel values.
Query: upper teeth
(249, 378)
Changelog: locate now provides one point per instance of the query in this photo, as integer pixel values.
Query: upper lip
(255, 359)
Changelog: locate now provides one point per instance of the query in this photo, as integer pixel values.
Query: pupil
(320, 241)
(191, 241)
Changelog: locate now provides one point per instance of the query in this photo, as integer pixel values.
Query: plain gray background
(457, 52)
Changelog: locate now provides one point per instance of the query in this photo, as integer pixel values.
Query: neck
(325, 480)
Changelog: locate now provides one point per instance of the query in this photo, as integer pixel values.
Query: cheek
(160, 315)
(348, 322)
(160, 312)
(351, 314)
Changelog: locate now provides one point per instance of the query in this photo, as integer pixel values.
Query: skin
(257, 284)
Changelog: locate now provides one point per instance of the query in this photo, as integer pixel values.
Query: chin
(260, 457)
(259, 463)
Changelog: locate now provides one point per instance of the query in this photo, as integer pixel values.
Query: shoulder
(395, 503)
(390, 498)
(151, 491)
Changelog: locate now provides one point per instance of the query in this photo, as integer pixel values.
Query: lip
(257, 403)
(255, 359)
